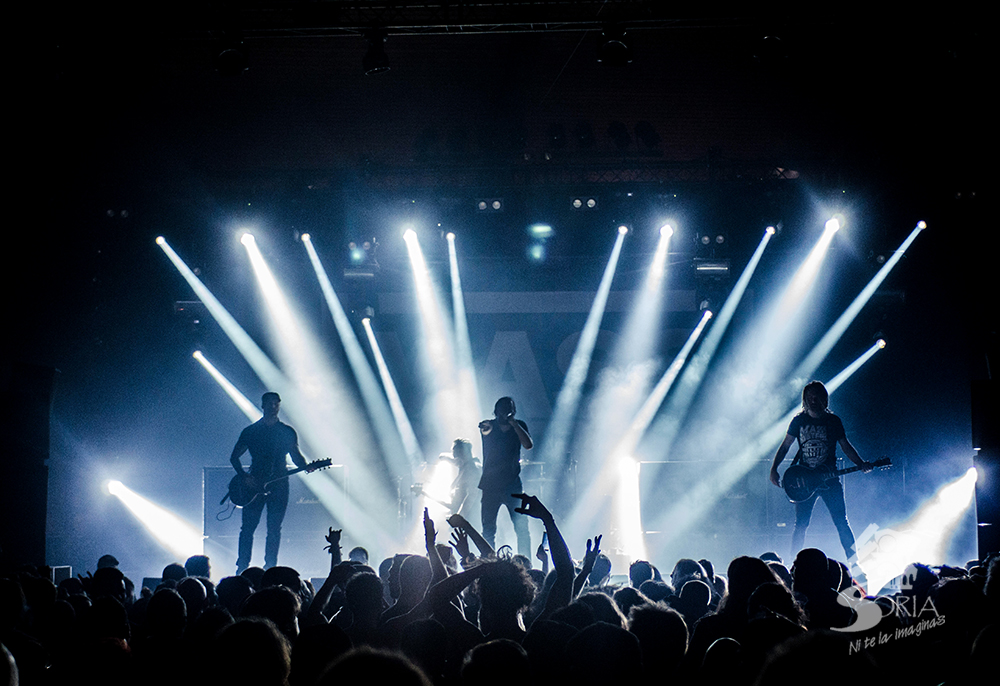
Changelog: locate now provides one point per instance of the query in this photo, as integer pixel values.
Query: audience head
(250, 651)
(495, 663)
(107, 561)
(279, 605)
(505, 589)
(359, 555)
(198, 565)
(638, 572)
(232, 591)
(174, 572)
(371, 666)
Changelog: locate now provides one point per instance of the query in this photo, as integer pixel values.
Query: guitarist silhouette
(269, 441)
(818, 432)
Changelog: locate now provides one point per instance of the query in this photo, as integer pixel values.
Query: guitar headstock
(317, 465)
(882, 463)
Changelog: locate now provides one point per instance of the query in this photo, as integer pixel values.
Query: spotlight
(409, 235)
(577, 203)
(305, 237)
(591, 203)
(536, 252)
(450, 236)
(880, 343)
(160, 240)
(623, 229)
(375, 60)
(115, 487)
(486, 204)
(247, 239)
(666, 230)
(833, 225)
(705, 267)
(770, 231)
(720, 239)
(921, 225)
(541, 231)
(705, 240)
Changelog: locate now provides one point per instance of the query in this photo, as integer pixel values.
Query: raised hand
(333, 538)
(591, 557)
(460, 542)
(532, 506)
(430, 534)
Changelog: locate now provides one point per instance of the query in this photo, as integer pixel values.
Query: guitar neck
(319, 464)
(857, 468)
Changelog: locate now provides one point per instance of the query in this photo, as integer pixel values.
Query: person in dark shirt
(503, 438)
(269, 440)
(818, 431)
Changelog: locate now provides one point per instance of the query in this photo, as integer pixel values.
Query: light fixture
(614, 51)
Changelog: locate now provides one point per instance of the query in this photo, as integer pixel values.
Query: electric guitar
(801, 482)
(244, 489)
(418, 490)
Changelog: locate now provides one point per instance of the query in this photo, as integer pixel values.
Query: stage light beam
(924, 537)
(261, 364)
(667, 428)
(811, 362)
(399, 455)
(448, 418)
(172, 532)
(251, 411)
(553, 450)
(465, 368)
(402, 421)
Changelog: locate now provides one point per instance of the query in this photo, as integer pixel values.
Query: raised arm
(588, 565)
(562, 590)
(322, 597)
(438, 570)
(522, 433)
(460, 522)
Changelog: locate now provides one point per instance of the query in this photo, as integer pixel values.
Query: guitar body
(801, 483)
(243, 488)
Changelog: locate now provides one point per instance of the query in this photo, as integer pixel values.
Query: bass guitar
(800, 482)
(244, 489)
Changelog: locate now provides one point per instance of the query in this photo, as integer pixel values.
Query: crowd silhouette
(455, 617)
